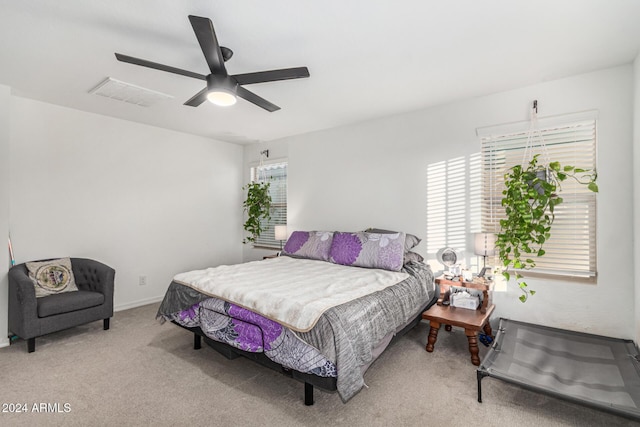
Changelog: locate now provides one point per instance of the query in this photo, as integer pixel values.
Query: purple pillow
(370, 250)
(309, 244)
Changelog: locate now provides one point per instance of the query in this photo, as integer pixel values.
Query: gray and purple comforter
(342, 344)
(249, 331)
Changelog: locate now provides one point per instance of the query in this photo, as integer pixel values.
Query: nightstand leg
(433, 335)
(473, 346)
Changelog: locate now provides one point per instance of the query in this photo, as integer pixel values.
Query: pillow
(410, 241)
(309, 244)
(412, 256)
(370, 250)
(52, 277)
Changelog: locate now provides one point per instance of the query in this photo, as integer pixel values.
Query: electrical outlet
(142, 280)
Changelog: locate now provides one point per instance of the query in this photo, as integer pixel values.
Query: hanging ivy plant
(530, 198)
(257, 205)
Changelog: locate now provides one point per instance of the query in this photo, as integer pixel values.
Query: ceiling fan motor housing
(227, 83)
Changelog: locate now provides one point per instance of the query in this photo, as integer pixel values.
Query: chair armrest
(23, 306)
(91, 275)
(21, 287)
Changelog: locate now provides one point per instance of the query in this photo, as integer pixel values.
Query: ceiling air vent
(115, 89)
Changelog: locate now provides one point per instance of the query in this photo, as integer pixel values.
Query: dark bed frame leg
(308, 394)
(197, 341)
(31, 345)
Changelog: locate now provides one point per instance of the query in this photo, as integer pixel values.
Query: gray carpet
(143, 373)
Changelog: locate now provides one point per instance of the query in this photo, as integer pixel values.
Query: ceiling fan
(222, 88)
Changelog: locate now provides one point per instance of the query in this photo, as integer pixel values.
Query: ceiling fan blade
(272, 76)
(255, 99)
(203, 27)
(198, 98)
(143, 62)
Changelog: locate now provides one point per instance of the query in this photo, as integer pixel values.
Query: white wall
(144, 200)
(5, 102)
(374, 174)
(636, 191)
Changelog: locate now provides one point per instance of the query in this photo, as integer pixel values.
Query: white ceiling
(367, 59)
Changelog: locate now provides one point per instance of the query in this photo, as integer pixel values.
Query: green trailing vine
(257, 205)
(530, 198)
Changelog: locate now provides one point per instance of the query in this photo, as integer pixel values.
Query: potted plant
(530, 197)
(257, 205)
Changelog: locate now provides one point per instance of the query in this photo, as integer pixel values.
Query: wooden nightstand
(270, 256)
(473, 321)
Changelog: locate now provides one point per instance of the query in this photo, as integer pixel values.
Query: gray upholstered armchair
(31, 317)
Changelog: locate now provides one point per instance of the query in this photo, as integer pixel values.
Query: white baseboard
(4, 342)
(138, 303)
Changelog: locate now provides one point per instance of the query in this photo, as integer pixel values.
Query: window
(453, 195)
(276, 175)
(571, 140)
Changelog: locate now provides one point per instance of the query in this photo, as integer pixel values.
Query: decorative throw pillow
(370, 250)
(309, 244)
(52, 277)
(410, 241)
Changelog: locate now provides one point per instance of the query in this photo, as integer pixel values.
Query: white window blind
(453, 194)
(276, 175)
(571, 250)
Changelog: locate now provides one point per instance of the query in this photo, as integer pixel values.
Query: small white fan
(449, 258)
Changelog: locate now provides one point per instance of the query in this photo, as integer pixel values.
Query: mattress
(292, 291)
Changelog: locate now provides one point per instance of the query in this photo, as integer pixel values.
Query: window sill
(564, 277)
(277, 248)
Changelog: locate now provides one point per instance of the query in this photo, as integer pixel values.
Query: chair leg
(31, 345)
(106, 323)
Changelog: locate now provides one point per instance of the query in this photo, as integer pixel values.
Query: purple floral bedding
(249, 331)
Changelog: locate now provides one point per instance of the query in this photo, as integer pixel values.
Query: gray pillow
(410, 240)
(412, 256)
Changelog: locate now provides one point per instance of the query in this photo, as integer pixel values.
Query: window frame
(571, 257)
(267, 238)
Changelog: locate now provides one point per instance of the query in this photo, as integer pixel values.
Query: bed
(309, 314)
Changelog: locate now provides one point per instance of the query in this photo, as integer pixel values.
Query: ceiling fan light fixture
(221, 97)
